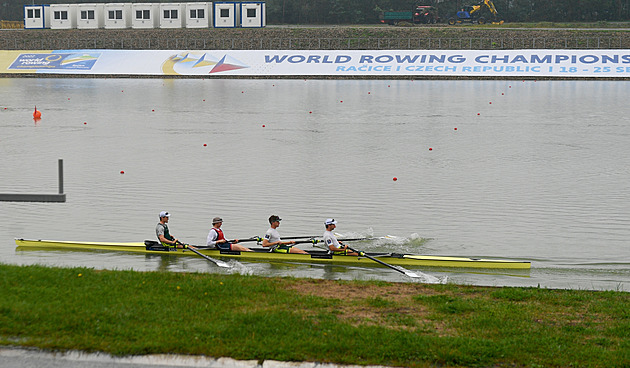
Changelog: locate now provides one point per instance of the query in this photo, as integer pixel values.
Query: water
(526, 170)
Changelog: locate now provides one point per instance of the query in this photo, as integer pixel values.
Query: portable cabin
(171, 15)
(253, 14)
(36, 16)
(90, 16)
(198, 15)
(63, 16)
(117, 15)
(226, 14)
(145, 15)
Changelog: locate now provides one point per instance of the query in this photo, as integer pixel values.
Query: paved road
(26, 358)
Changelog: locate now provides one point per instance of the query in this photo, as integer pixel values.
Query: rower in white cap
(335, 246)
(164, 236)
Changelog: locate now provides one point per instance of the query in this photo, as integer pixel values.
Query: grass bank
(248, 317)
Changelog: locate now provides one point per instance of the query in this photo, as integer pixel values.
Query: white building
(90, 16)
(226, 14)
(253, 14)
(36, 16)
(171, 15)
(198, 15)
(117, 15)
(145, 15)
(63, 16)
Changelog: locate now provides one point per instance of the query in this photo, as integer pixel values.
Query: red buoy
(430, 149)
(122, 172)
(395, 178)
(204, 145)
(37, 114)
(263, 125)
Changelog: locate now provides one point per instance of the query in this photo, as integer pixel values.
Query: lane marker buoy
(37, 114)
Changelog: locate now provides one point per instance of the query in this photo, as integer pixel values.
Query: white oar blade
(221, 263)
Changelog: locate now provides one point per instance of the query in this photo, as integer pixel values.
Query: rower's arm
(164, 240)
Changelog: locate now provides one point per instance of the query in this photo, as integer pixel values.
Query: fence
(318, 43)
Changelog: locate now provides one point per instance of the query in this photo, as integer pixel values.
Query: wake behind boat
(260, 254)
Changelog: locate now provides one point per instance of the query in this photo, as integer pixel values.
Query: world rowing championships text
(457, 58)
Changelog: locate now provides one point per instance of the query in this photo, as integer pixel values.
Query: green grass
(248, 317)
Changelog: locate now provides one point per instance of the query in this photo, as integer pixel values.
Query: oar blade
(215, 261)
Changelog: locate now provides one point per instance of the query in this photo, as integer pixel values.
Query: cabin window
(197, 13)
(33, 13)
(61, 15)
(143, 14)
(87, 14)
(225, 13)
(251, 13)
(170, 14)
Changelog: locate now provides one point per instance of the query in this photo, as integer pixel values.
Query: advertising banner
(366, 63)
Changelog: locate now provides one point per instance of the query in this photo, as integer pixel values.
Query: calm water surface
(528, 170)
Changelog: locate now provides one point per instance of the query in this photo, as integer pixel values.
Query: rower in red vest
(217, 239)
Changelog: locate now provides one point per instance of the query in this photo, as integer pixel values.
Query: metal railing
(317, 43)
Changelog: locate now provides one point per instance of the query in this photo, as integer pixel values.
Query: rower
(163, 234)
(272, 239)
(335, 247)
(217, 239)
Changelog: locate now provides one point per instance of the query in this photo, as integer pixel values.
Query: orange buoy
(37, 114)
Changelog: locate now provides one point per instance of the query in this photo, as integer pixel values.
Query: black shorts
(224, 246)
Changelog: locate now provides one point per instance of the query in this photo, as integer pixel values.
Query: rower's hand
(292, 242)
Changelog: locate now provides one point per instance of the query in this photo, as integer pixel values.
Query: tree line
(368, 11)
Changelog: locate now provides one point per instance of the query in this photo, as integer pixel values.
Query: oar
(259, 239)
(397, 268)
(311, 241)
(215, 261)
(253, 238)
(299, 237)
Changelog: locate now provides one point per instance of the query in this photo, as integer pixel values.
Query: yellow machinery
(476, 14)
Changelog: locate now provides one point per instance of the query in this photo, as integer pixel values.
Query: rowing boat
(260, 254)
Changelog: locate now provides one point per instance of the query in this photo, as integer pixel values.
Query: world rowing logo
(196, 63)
